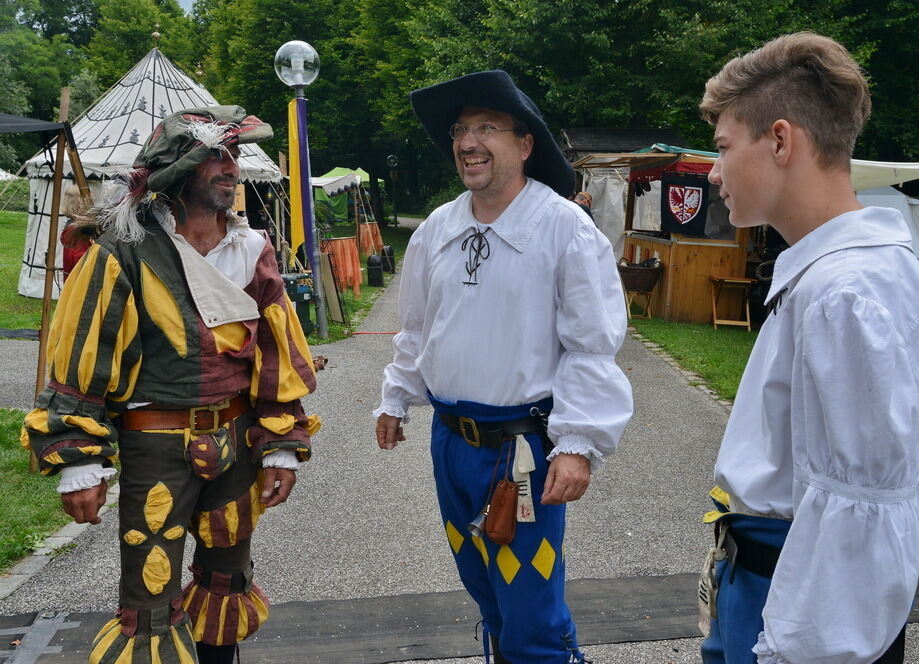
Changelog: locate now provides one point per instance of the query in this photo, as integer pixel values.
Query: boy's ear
(783, 140)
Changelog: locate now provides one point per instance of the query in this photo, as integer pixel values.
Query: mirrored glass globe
(296, 63)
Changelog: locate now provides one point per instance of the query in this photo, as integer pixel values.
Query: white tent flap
(874, 174)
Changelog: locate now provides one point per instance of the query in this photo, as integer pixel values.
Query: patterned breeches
(519, 587)
(169, 487)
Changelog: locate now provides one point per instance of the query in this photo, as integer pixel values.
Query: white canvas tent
(108, 136)
(891, 198)
(336, 184)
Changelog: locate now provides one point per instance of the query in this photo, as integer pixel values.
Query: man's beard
(208, 197)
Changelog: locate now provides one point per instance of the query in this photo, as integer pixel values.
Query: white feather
(118, 212)
(208, 133)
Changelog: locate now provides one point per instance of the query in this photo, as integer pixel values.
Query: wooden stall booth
(693, 244)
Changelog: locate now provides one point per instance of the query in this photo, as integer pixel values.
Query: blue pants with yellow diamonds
(520, 587)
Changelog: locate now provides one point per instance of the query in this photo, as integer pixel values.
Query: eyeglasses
(482, 133)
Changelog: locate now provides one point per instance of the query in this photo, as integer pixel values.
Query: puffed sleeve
(403, 385)
(847, 574)
(94, 354)
(592, 397)
(283, 371)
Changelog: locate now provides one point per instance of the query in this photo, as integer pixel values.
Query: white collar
(867, 227)
(237, 228)
(515, 225)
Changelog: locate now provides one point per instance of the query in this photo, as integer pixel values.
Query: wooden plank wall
(683, 294)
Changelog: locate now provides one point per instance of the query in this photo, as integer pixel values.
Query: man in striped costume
(175, 340)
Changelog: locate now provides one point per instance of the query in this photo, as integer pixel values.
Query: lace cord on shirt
(776, 302)
(478, 250)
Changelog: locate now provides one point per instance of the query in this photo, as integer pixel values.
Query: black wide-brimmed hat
(438, 107)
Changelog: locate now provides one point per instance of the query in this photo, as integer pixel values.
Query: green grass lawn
(16, 311)
(30, 507)
(718, 356)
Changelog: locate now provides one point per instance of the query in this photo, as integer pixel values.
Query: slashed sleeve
(592, 397)
(847, 574)
(403, 385)
(283, 371)
(94, 355)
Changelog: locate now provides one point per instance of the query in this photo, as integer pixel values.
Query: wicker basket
(639, 279)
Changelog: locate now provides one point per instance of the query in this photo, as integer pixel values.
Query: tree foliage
(584, 62)
(124, 35)
(14, 101)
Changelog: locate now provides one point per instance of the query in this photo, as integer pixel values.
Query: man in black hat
(512, 314)
(175, 340)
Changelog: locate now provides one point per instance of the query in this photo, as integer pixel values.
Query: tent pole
(79, 176)
(629, 206)
(50, 260)
(51, 253)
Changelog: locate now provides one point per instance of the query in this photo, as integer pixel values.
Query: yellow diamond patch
(157, 506)
(544, 560)
(157, 570)
(507, 563)
(480, 545)
(453, 535)
(134, 537)
(174, 533)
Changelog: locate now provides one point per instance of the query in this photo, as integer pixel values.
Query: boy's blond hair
(804, 78)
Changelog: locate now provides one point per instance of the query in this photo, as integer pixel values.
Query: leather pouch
(210, 454)
(501, 520)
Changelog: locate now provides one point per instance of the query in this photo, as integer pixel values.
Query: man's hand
(567, 480)
(389, 431)
(277, 484)
(84, 505)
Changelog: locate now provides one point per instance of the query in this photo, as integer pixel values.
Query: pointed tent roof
(111, 132)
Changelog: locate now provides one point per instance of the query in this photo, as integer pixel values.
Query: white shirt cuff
(281, 459)
(573, 443)
(86, 476)
(392, 410)
(764, 654)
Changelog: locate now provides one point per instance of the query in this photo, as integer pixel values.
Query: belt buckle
(214, 409)
(468, 424)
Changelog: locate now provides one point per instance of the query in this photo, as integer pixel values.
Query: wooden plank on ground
(379, 630)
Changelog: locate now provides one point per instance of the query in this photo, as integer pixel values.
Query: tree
(123, 36)
(41, 65)
(14, 101)
(885, 36)
(74, 19)
(84, 90)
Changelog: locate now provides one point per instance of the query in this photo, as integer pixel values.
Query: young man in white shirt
(818, 518)
(512, 313)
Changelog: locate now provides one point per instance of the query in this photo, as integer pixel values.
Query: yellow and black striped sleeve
(283, 371)
(94, 356)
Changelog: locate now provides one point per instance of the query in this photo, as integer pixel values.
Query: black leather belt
(490, 434)
(753, 556)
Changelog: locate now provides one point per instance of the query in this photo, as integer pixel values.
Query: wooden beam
(629, 205)
(51, 254)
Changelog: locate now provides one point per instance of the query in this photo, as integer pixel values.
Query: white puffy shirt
(825, 430)
(545, 319)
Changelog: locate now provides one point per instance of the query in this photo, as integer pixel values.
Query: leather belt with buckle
(201, 419)
(489, 434)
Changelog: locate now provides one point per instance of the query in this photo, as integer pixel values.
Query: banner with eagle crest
(684, 203)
